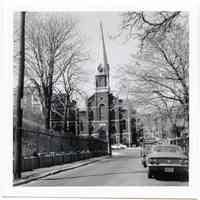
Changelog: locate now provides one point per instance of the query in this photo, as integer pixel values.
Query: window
(91, 129)
(167, 149)
(81, 126)
(101, 112)
(123, 124)
(91, 115)
(113, 129)
(112, 114)
(101, 81)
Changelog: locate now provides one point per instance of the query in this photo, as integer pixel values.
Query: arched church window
(91, 115)
(101, 111)
(123, 124)
(112, 114)
(81, 126)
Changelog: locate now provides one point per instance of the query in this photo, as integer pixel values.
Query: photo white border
(6, 72)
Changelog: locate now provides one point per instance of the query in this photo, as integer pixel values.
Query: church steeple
(105, 59)
(102, 79)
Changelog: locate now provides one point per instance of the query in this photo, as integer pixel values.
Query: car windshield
(167, 149)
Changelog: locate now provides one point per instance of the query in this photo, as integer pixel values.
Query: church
(107, 115)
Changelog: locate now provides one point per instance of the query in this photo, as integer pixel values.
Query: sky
(118, 51)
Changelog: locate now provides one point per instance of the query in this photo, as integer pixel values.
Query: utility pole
(129, 118)
(109, 127)
(20, 91)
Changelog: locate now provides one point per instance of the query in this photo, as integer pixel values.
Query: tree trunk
(66, 114)
(47, 120)
(49, 94)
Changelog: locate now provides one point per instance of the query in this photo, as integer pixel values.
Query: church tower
(102, 94)
(107, 117)
(98, 104)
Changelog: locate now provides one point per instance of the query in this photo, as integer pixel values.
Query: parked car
(146, 149)
(168, 159)
(115, 147)
(118, 146)
(122, 146)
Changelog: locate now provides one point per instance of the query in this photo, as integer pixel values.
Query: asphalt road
(123, 169)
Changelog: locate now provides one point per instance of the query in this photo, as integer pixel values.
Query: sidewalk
(47, 171)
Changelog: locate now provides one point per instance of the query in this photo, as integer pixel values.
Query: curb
(45, 174)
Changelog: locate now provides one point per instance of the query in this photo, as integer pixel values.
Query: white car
(115, 146)
(118, 146)
(122, 146)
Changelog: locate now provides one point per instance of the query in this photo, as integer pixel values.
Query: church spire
(105, 59)
(102, 77)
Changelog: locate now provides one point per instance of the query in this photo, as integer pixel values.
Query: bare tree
(67, 89)
(146, 25)
(52, 47)
(159, 70)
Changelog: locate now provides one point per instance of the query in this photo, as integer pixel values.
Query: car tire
(150, 175)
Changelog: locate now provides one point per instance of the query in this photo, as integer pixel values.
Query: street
(123, 169)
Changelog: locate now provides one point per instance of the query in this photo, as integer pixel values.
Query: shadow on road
(94, 175)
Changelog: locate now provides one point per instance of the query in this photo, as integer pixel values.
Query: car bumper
(168, 169)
